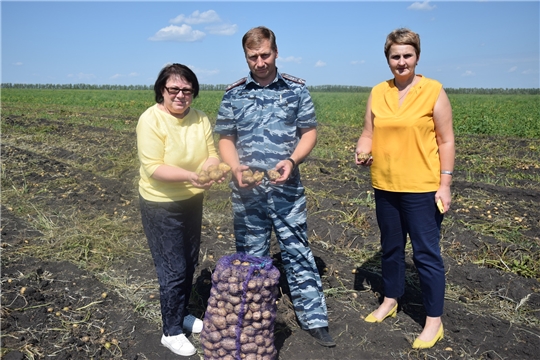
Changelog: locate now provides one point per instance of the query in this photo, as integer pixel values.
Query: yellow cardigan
(405, 152)
(165, 139)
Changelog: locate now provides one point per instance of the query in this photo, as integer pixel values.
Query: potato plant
(239, 319)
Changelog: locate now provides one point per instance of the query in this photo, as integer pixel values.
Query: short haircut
(179, 70)
(256, 36)
(402, 36)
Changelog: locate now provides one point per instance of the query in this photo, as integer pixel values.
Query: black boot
(322, 336)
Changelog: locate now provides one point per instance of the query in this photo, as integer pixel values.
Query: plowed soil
(53, 308)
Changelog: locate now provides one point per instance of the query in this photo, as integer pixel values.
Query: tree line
(316, 88)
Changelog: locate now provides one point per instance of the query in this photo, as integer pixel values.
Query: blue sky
(480, 44)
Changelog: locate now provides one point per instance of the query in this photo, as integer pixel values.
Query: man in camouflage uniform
(267, 121)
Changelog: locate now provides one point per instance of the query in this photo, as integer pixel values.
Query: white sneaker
(192, 324)
(179, 344)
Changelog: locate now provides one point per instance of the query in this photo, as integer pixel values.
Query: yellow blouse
(405, 152)
(165, 139)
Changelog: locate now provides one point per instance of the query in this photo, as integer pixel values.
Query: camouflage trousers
(282, 208)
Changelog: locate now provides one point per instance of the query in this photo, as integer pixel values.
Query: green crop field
(502, 115)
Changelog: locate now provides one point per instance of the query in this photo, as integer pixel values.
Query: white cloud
(224, 29)
(184, 33)
(512, 69)
(421, 6)
(529, 72)
(203, 72)
(118, 76)
(468, 73)
(288, 59)
(197, 17)
(82, 76)
(320, 63)
(358, 62)
(18, 63)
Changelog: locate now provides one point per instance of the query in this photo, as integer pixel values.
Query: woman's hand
(362, 158)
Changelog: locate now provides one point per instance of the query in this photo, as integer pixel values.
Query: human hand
(362, 158)
(284, 168)
(245, 178)
(443, 199)
(201, 181)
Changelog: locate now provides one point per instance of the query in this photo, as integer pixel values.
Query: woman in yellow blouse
(408, 142)
(174, 143)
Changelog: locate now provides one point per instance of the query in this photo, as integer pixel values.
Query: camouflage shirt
(265, 120)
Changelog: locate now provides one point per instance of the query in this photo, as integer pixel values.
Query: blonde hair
(256, 36)
(402, 36)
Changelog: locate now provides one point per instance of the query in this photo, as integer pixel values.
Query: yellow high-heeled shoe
(421, 344)
(372, 319)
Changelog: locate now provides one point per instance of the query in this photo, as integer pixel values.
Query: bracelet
(445, 172)
(293, 162)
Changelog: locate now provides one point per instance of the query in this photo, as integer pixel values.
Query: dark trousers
(173, 231)
(415, 214)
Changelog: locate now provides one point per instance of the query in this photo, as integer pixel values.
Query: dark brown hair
(179, 70)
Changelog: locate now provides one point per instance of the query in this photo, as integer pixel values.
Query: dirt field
(55, 309)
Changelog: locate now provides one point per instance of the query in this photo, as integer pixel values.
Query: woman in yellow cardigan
(408, 142)
(174, 143)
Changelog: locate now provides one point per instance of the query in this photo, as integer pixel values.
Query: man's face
(262, 62)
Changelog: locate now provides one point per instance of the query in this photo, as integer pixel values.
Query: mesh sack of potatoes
(239, 318)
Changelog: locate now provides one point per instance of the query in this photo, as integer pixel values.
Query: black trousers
(173, 231)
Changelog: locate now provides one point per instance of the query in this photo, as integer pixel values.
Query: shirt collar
(278, 77)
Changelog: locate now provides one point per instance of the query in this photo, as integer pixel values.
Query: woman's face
(402, 60)
(176, 96)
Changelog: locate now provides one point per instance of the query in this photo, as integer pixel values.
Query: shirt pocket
(286, 108)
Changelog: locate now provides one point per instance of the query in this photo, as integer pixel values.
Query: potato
(249, 348)
(251, 356)
(257, 297)
(247, 177)
(256, 316)
(208, 345)
(222, 286)
(266, 314)
(224, 167)
(232, 331)
(235, 300)
(219, 322)
(212, 168)
(234, 289)
(258, 176)
(229, 307)
(259, 340)
(203, 179)
(363, 156)
(232, 319)
(221, 352)
(228, 344)
(250, 331)
(273, 174)
(252, 284)
(215, 174)
(244, 338)
(254, 306)
(266, 324)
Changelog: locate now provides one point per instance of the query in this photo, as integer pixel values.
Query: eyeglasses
(176, 91)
